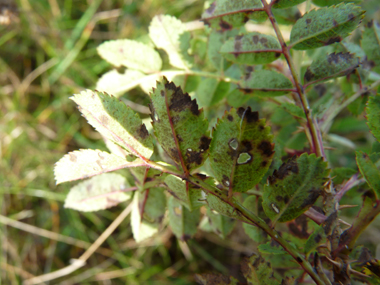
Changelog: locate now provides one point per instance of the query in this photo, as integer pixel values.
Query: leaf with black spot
(325, 26)
(227, 14)
(182, 221)
(294, 187)
(331, 66)
(252, 48)
(179, 125)
(241, 149)
(116, 121)
(258, 271)
(266, 83)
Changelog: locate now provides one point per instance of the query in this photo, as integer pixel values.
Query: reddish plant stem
(316, 146)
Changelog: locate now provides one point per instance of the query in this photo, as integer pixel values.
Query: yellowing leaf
(98, 193)
(116, 121)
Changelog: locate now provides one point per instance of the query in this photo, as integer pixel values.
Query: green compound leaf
(185, 192)
(287, 16)
(147, 213)
(241, 149)
(169, 33)
(252, 203)
(258, 271)
(87, 162)
(131, 54)
(183, 222)
(98, 193)
(220, 224)
(325, 26)
(294, 187)
(331, 66)
(369, 171)
(252, 48)
(281, 4)
(266, 83)
(227, 14)
(116, 83)
(116, 121)
(373, 116)
(293, 110)
(180, 127)
(371, 42)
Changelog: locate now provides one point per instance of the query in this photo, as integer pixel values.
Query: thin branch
(81, 261)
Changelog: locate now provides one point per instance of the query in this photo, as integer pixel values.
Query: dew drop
(244, 158)
(274, 207)
(234, 144)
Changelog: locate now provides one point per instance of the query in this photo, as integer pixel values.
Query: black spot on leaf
(266, 148)
(205, 143)
(332, 40)
(224, 25)
(370, 24)
(230, 118)
(143, 132)
(255, 39)
(162, 93)
(284, 170)
(308, 21)
(181, 101)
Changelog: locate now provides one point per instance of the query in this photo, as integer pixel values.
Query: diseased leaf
(116, 121)
(131, 54)
(373, 115)
(331, 66)
(220, 224)
(258, 271)
(226, 14)
(147, 213)
(241, 149)
(87, 162)
(266, 83)
(116, 83)
(185, 192)
(183, 222)
(287, 16)
(98, 193)
(322, 3)
(294, 187)
(371, 43)
(325, 26)
(281, 4)
(255, 233)
(369, 171)
(320, 235)
(180, 127)
(168, 33)
(215, 279)
(252, 48)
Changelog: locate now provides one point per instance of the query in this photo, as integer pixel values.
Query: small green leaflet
(266, 83)
(116, 83)
(371, 42)
(281, 4)
(116, 121)
(293, 109)
(325, 26)
(225, 14)
(183, 222)
(84, 163)
(331, 66)
(373, 115)
(147, 213)
(131, 54)
(169, 33)
(98, 193)
(180, 127)
(369, 171)
(241, 149)
(220, 224)
(185, 192)
(294, 187)
(258, 271)
(252, 48)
